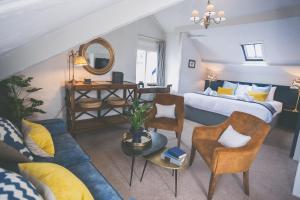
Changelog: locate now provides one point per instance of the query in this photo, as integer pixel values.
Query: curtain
(161, 63)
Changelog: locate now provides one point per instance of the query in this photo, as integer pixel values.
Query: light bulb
(221, 13)
(195, 13)
(210, 7)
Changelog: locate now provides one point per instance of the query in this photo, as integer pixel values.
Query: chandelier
(209, 16)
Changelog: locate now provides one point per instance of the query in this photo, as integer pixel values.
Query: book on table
(172, 159)
(177, 152)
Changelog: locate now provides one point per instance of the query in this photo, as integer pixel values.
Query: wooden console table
(102, 116)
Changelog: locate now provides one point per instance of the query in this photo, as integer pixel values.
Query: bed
(211, 110)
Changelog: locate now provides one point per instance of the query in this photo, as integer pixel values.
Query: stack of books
(174, 155)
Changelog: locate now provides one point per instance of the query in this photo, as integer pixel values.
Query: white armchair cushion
(167, 111)
(232, 138)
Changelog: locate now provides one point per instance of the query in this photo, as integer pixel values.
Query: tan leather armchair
(167, 123)
(223, 160)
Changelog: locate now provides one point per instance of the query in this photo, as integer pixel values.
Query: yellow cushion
(227, 91)
(62, 183)
(258, 96)
(39, 135)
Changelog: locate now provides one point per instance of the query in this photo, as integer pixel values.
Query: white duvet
(226, 106)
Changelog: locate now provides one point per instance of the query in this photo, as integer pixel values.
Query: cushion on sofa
(14, 186)
(95, 182)
(55, 182)
(11, 136)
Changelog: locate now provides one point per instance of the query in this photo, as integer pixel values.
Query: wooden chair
(223, 160)
(167, 123)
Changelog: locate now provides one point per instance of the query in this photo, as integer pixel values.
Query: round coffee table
(156, 160)
(158, 142)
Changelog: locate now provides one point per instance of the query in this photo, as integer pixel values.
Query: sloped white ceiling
(179, 15)
(24, 20)
(51, 27)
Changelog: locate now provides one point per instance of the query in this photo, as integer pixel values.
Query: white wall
(173, 59)
(191, 79)
(52, 74)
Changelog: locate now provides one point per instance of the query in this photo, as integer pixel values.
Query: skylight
(253, 51)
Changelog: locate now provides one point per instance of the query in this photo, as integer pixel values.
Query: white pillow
(232, 138)
(165, 111)
(243, 89)
(271, 94)
(207, 91)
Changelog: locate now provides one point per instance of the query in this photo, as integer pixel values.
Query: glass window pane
(151, 67)
(258, 50)
(140, 65)
(250, 52)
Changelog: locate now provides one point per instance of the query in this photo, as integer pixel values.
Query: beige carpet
(271, 176)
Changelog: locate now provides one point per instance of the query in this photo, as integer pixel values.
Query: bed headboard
(283, 93)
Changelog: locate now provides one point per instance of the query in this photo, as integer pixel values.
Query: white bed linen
(226, 107)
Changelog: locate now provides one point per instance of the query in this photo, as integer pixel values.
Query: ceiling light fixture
(208, 17)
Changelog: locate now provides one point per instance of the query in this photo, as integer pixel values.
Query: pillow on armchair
(167, 111)
(232, 138)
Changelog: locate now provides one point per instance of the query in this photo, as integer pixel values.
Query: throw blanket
(264, 104)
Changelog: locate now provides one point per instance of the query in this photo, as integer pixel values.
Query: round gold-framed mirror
(99, 55)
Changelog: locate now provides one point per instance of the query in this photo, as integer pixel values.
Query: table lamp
(77, 61)
(296, 86)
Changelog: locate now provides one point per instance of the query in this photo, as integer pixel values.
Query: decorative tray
(145, 140)
(90, 103)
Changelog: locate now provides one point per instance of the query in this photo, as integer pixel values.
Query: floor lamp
(75, 60)
(296, 86)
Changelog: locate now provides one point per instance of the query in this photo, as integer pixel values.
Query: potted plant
(137, 116)
(15, 100)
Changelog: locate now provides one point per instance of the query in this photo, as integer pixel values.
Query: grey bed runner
(264, 104)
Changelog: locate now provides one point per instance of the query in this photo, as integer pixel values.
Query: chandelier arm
(216, 22)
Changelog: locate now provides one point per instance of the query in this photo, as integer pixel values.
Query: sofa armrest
(55, 126)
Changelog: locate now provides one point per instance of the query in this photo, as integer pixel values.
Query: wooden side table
(156, 160)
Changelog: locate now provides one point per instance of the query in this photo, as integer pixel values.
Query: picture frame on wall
(192, 63)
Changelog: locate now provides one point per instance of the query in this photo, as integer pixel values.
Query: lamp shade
(296, 84)
(211, 76)
(80, 61)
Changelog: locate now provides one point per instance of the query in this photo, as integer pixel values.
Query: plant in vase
(15, 103)
(137, 116)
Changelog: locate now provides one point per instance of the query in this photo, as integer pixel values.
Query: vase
(137, 135)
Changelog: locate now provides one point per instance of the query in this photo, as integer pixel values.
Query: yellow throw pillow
(226, 91)
(38, 139)
(53, 180)
(258, 96)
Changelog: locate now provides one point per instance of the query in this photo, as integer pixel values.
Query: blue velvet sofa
(69, 154)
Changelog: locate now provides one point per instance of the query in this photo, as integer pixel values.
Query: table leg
(175, 183)
(132, 166)
(144, 170)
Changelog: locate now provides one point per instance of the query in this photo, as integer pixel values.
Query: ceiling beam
(282, 13)
(81, 31)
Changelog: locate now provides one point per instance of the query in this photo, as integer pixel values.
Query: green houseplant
(137, 116)
(15, 100)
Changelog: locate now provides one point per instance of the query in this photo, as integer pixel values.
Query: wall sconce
(77, 61)
(211, 77)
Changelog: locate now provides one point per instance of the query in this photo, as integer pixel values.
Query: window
(253, 52)
(146, 63)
